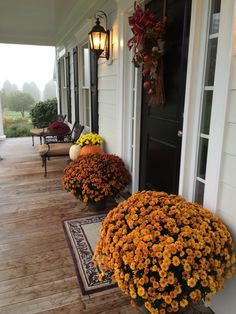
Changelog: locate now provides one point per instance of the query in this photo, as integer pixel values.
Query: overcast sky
(24, 63)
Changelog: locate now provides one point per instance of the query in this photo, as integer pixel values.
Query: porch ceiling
(37, 22)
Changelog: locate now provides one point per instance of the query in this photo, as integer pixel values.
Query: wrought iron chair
(41, 132)
(56, 149)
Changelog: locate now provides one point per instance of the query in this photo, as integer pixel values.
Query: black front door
(161, 126)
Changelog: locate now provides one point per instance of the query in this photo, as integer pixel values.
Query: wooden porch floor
(36, 269)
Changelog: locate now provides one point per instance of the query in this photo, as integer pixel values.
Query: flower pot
(90, 149)
(190, 309)
(98, 206)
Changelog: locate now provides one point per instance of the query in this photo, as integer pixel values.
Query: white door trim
(219, 104)
(194, 82)
(194, 87)
(130, 103)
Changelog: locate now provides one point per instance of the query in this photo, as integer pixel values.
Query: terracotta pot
(90, 149)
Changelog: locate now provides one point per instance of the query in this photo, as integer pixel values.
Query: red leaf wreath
(148, 50)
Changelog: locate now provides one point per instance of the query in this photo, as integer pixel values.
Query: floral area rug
(82, 235)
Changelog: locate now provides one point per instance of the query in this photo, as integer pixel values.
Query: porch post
(2, 136)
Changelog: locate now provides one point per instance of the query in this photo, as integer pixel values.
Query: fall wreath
(148, 44)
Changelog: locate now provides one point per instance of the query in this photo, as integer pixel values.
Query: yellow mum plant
(90, 139)
(164, 252)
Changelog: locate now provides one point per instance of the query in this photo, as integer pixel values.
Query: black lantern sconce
(100, 38)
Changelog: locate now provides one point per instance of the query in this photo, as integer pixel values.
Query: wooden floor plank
(37, 278)
(37, 274)
(34, 268)
(39, 258)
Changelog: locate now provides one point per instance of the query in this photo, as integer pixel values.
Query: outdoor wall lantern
(100, 38)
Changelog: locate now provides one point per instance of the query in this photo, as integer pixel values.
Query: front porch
(37, 274)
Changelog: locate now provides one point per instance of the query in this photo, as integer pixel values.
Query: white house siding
(107, 75)
(107, 95)
(225, 302)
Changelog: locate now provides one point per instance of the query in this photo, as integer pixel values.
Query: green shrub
(18, 130)
(16, 126)
(43, 112)
(7, 122)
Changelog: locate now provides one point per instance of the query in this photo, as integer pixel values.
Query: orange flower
(183, 303)
(141, 291)
(176, 261)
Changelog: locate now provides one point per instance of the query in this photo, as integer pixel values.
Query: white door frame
(194, 86)
(193, 97)
(129, 80)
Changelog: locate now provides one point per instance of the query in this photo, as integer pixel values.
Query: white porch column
(2, 136)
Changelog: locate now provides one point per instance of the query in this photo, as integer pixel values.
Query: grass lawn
(15, 125)
(15, 115)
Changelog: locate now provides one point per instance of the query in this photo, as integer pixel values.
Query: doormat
(82, 236)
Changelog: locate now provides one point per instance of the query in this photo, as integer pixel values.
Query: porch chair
(41, 132)
(56, 149)
(52, 137)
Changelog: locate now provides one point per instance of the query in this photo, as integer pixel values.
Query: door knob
(179, 133)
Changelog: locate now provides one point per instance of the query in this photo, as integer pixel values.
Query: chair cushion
(55, 149)
(39, 132)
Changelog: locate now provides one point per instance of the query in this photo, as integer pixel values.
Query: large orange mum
(165, 252)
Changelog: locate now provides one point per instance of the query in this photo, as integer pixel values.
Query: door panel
(160, 153)
(160, 143)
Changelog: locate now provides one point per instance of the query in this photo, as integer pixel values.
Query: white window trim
(198, 38)
(81, 87)
(219, 104)
(193, 92)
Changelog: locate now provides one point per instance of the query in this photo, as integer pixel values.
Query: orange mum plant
(163, 252)
(95, 177)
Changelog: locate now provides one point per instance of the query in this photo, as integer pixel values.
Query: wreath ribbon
(138, 22)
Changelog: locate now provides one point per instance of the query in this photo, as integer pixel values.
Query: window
(85, 100)
(206, 103)
(64, 86)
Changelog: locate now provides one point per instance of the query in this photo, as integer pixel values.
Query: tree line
(23, 100)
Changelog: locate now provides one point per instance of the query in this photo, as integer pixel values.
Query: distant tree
(49, 90)
(3, 98)
(19, 101)
(14, 88)
(32, 89)
(8, 87)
